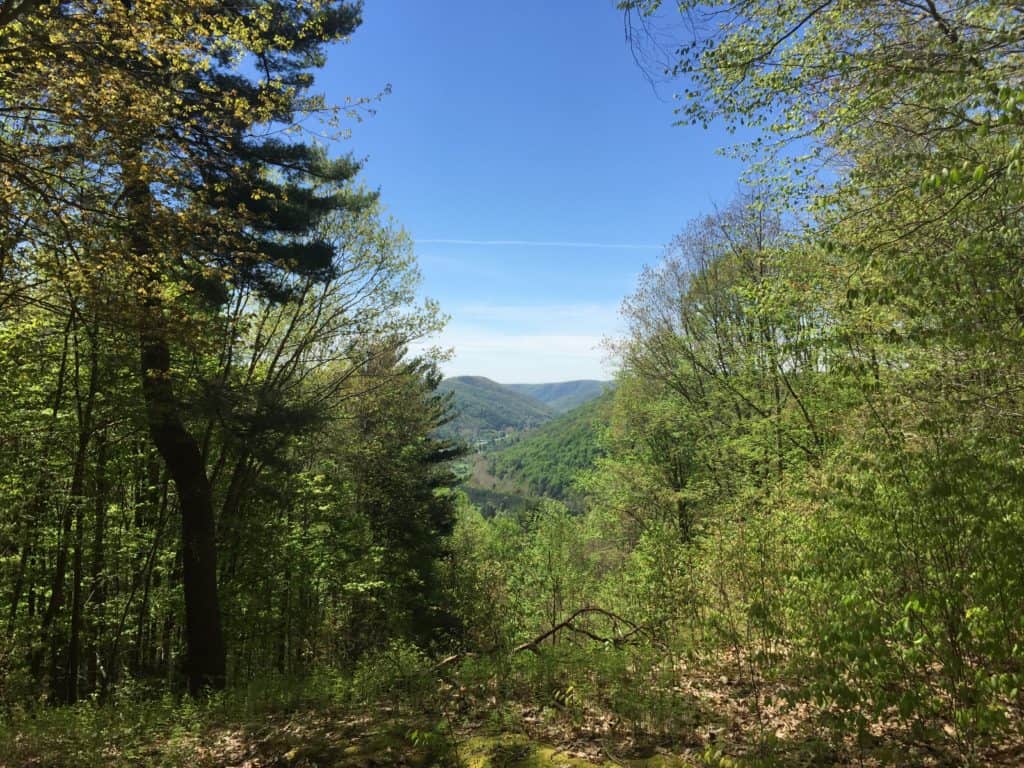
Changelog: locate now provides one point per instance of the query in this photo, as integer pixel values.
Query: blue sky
(534, 165)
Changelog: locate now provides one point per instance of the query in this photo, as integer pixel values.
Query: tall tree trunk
(74, 659)
(85, 432)
(98, 577)
(205, 655)
(47, 631)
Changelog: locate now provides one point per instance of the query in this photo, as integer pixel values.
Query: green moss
(511, 751)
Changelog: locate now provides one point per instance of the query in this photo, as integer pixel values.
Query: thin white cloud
(526, 357)
(529, 343)
(522, 358)
(544, 244)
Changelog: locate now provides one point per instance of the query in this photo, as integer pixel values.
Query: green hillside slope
(485, 408)
(548, 459)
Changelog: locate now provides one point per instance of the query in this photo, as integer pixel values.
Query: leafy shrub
(400, 674)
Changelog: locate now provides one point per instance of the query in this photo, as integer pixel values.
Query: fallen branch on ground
(568, 624)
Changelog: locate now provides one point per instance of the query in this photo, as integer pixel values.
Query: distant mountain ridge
(563, 396)
(484, 409)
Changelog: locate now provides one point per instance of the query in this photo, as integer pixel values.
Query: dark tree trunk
(205, 655)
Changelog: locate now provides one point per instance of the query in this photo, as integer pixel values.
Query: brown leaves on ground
(723, 716)
(720, 716)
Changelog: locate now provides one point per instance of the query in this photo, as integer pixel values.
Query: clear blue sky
(516, 123)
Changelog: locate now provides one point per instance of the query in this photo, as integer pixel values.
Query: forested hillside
(550, 458)
(231, 524)
(483, 410)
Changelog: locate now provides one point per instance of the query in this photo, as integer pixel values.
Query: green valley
(521, 451)
(549, 459)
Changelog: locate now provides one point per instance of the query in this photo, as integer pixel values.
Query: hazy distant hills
(563, 396)
(485, 409)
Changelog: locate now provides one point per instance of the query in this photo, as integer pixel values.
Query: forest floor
(717, 722)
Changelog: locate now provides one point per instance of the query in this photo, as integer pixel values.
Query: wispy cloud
(545, 244)
(530, 342)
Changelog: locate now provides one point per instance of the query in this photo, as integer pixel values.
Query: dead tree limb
(568, 624)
